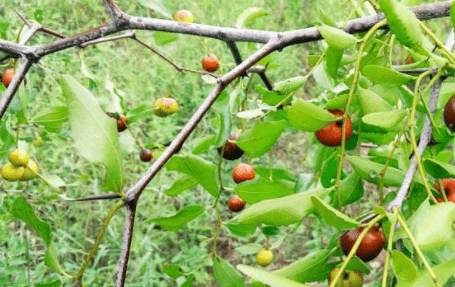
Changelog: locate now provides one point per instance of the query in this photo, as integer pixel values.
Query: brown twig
(99, 197)
(127, 237)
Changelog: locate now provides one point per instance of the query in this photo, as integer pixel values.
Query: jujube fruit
(449, 189)
(7, 77)
(236, 204)
(449, 113)
(264, 257)
(231, 150)
(38, 141)
(121, 123)
(30, 172)
(331, 134)
(165, 106)
(243, 172)
(146, 155)
(349, 278)
(370, 246)
(18, 157)
(210, 63)
(184, 16)
(11, 172)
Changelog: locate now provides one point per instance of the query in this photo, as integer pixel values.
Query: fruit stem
(437, 41)
(271, 164)
(416, 247)
(389, 250)
(243, 104)
(355, 247)
(348, 103)
(94, 249)
(17, 134)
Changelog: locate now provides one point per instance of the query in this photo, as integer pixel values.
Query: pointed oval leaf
(253, 191)
(387, 121)
(181, 184)
(370, 102)
(332, 216)
(336, 37)
(52, 118)
(249, 14)
(290, 85)
(164, 38)
(241, 229)
(157, 6)
(439, 169)
(95, 134)
(268, 278)
(198, 168)
(351, 190)
(308, 117)
(181, 218)
(403, 267)
(280, 211)
(260, 139)
(226, 274)
(333, 58)
(386, 76)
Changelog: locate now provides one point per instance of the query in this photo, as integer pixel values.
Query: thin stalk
(437, 41)
(389, 252)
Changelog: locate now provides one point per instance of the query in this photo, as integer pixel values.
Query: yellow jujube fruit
(18, 157)
(31, 171)
(264, 257)
(165, 106)
(11, 172)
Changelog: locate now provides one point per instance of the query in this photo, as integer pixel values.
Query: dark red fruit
(236, 204)
(231, 149)
(146, 155)
(210, 63)
(449, 189)
(121, 123)
(331, 134)
(370, 246)
(7, 77)
(449, 113)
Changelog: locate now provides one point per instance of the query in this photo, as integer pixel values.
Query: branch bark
(127, 237)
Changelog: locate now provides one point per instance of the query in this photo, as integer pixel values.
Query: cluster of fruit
(19, 167)
(7, 77)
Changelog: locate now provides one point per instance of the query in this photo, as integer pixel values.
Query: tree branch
(127, 237)
(99, 197)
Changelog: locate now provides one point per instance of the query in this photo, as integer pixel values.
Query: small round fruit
(18, 157)
(331, 134)
(449, 113)
(231, 149)
(210, 63)
(38, 141)
(264, 257)
(370, 246)
(146, 155)
(243, 172)
(184, 16)
(165, 106)
(409, 60)
(449, 189)
(11, 172)
(30, 172)
(236, 204)
(349, 278)
(7, 77)
(121, 123)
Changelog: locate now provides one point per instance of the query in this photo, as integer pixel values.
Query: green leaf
(290, 85)
(249, 248)
(403, 267)
(370, 171)
(280, 211)
(139, 113)
(386, 76)
(253, 191)
(322, 77)
(336, 37)
(95, 134)
(223, 110)
(241, 229)
(438, 169)
(172, 270)
(267, 277)
(403, 23)
(226, 274)
(203, 144)
(442, 271)
(250, 14)
(23, 211)
(351, 190)
(198, 168)
(370, 102)
(308, 117)
(55, 283)
(157, 6)
(164, 38)
(271, 97)
(52, 118)
(177, 221)
(387, 121)
(277, 173)
(333, 57)
(261, 138)
(181, 184)
(452, 14)
(312, 267)
(332, 216)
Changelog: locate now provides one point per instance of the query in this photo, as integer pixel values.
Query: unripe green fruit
(18, 157)
(349, 278)
(11, 172)
(30, 172)
(264, 257)
(38, 141)
(165, 106)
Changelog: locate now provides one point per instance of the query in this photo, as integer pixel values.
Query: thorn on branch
(129, 34)
(23, 19)
(99, 197)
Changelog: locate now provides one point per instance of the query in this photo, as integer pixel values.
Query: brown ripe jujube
(243, 172)
(7, 77)
(146, 155)
(231, 149)
(331, 134)
(236, 204)
(370, 246)
(210, 63)
(449, 113)
(449, 189)
(121, 123)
